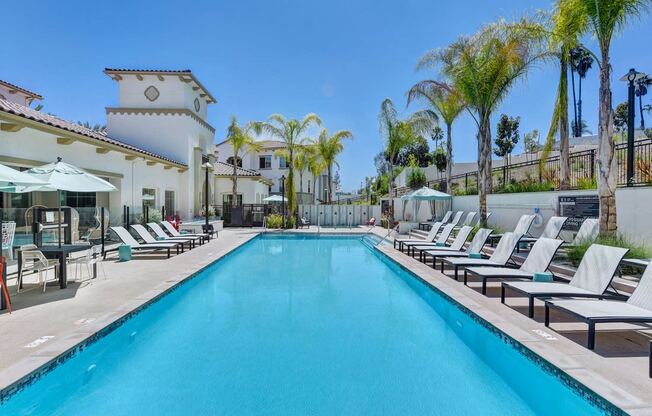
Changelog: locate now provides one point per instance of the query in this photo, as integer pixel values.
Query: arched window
(230, 161)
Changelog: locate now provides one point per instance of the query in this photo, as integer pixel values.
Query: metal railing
(583, 171)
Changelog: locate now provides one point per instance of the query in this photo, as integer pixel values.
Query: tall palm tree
(482, 69)
(563, 39)
(400, 133)
(328, 147)
(293, 133)
(316, 166)
(602, 19)
(240, 139)
(581, 62)
(448, 105)
(301, 162)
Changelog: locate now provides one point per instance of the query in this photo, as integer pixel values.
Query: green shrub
(524, 186)
(274, 221)
(416, 178)
(636, 251)
(465, 191)
(587, 183)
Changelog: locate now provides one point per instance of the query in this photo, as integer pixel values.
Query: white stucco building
(272, 166)
(155, 143)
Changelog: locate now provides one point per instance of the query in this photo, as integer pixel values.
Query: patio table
(61, 253)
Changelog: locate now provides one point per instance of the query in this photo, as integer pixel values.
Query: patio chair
(8, 235)
(90, 258)
(537, 261)
(637, 309)
(149, 239)
(475, 246)
(129, 240)
(457, 217)
(588, 232)
(441, 240)
(160, 234)
(303, 222)
(591, 280)
(174, 233)
(371, 222)
(522, 227)
(501, 255)
(552, 229)
(33, 259)
(444, 220)
(429, 238)
(479, 222)
(468, 220)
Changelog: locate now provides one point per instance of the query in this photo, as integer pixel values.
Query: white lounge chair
(588, 231)
(127, 239)
(499, 258)
(149, 239)
(468, 220)
(164, 237)
(429, 238)
(537, 261)
(479, 222)
(457, 217)
(475, 246)
(552, 229)
(174, 233)
(591, 280)
(445, 219)
(441, 240)
(637, 309)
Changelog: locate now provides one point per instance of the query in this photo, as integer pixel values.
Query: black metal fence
(528, 175)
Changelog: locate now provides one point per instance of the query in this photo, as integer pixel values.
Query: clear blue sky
(337, 58)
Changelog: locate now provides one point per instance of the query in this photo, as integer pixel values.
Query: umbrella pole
(59, 222)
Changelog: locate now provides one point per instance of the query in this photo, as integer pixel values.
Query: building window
(265, 162)
(230, 161)
(282, 163)
(170, 202)
(79, 199)
(149, 198)
(228, 198)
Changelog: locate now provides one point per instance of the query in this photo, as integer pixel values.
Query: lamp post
(283, 199)
(206, 166)
(631, 77)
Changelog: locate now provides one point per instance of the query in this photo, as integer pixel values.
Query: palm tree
(328, 148)
(448, 104)
(400, 133)
(301, 163)
(292, 132)
(580, 62)
(316, 166)
(563, 41)
(602, 18)
(240, 139)
(482, 69)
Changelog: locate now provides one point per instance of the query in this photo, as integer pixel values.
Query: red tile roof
(23, 90)
(43, 118)
(226, 169)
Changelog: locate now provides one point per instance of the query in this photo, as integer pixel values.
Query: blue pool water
(299, 326)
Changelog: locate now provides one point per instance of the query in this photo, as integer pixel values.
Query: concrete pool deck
(44, 326)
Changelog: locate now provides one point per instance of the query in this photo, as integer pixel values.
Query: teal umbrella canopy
(426, 194)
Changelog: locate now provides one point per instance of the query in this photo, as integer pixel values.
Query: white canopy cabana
(425, 194)
(275, 198)
(10, 178)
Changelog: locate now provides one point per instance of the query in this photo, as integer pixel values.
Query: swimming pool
(297, 325)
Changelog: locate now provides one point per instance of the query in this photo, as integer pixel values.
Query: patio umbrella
(62, 176)
(12, 178)
(275, 198)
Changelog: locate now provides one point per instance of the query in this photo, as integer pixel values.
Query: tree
(328, 148)
(291, 132)
(440, 159)
(448, 105)
(437, 135)
(381, 162)
(581, 61)
(316, 166)
(582, 129)
(507, 137)
(641, 90)
(620, 118)
(481, 70)
(531, 142)
(100, 128)
(398, 134)
(418, 149)
(301, 163)
(602, 19)
(240, 139)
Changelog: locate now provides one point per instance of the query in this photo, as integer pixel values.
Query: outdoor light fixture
(631, 77)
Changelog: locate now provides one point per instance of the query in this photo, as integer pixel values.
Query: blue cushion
(440, 244)
(542, 277)
(475, 255)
